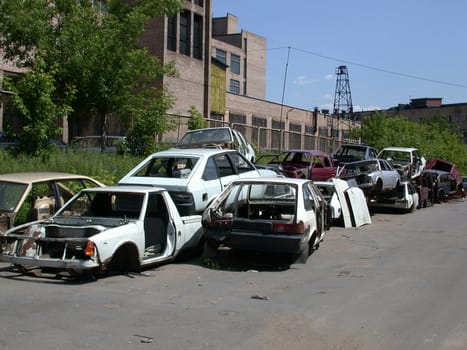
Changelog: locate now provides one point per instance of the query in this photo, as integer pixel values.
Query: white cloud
(304, 80)
(358, 108)
(329, 77)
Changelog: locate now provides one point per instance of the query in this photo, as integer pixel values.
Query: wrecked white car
(275, 215)
(115, 228)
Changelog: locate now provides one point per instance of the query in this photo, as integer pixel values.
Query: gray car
(372, 176)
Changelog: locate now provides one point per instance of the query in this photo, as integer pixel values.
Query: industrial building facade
(222, 73)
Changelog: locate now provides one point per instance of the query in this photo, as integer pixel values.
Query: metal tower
(342, 98)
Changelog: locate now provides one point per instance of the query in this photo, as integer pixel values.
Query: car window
(327, 162)
(384, 165)
(308, 199)
(224, 166)
(10, 194)
(240, 163)
(210, 172)
(206, 136)
(178, 167)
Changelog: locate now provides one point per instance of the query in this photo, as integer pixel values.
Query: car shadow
(240, 260)
(36, 275)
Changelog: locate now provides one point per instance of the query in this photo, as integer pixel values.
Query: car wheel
(378, 186)
(210, 249)
(303, 255)
(124, 260)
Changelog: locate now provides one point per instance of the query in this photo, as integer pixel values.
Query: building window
(199, 2)
(237, 118)
(259, 122)
(172, 33)
(198, 36)
(184, 41)
(235, 63)
(323, 131)
(234, 86)
(221, 56)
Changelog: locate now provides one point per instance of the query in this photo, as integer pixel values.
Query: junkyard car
(270, 215)
(407, 160)
(32, 196)
(223, 137)
(372, 176)
(405, 198)
(445, 184)
(193, 177)
(348, 153)
(118, 228)
(305, 164)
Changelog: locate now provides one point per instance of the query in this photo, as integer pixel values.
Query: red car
(305, 164)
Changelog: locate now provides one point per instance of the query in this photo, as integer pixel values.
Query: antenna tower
(343, 98)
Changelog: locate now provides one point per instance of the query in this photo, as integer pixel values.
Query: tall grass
(108, 168)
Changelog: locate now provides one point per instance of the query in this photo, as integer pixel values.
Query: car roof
(125, 188)
(310, 151)
(192, 152)
(355, 145)
(33, 177)
(277, 180)
(219, 127)
(400, 149)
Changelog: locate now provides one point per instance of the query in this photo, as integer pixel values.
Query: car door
(211, 182)
(312, 215)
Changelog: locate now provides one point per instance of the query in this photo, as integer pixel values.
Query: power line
(405, 75)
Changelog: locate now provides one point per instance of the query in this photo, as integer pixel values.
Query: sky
(394, 50)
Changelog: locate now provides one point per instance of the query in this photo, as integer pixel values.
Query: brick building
(222, 73)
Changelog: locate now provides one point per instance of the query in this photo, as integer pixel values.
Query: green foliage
(33, 100)
(91, 51)
(435, 137)
(108, 168)
(153, 119)
(196, 120)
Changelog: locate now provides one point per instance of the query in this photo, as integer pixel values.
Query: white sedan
(193, 177)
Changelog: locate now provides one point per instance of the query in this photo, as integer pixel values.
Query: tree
(196, 120)
(141, 136)
(33, 99)
(435, 137)
(94, 50)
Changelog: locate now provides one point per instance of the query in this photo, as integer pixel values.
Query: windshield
(175, 167)
(105, 204)
(396, 156)
(10, 195)
(206, 136)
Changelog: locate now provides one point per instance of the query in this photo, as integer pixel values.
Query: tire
(210, 249)
(303, 255)
(124, 260)
(379, 186)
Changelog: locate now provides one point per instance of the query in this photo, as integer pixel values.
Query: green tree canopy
(93, 48)
(435, 137)
(196, 120)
